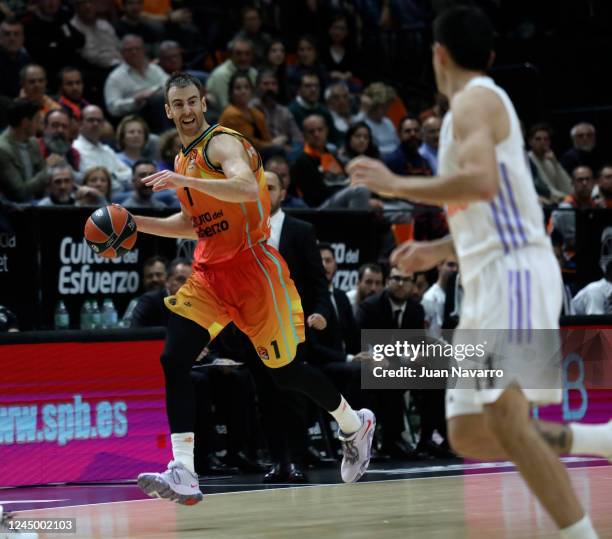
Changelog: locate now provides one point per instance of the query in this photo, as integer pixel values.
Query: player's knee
(508, 416)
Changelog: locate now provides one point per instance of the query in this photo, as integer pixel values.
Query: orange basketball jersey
(224, 228)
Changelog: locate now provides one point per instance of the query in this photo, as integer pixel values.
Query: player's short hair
(374, 268)
(180, 79)
(467, 34)
(324, 246)
(20, 109)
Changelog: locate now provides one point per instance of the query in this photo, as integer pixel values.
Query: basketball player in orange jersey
(237, 277)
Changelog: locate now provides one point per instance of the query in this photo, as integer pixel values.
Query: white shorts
(520, 291)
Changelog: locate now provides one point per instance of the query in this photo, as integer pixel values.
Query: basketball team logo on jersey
(263, 353)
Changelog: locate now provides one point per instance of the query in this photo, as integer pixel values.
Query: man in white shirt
(93, 153)
(431, 138)
(136, 84)
(370, 281)
(434, 299)
(101, 48)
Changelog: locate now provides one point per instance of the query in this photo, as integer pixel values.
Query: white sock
(591, 439)
(583, 529)
(347, 418)
(182, 449)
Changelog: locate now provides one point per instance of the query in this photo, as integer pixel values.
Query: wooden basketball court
(471, 506)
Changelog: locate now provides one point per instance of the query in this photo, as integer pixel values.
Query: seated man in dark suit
(394, 308)
(296, 242)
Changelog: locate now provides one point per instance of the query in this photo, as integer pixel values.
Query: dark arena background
(311, 85)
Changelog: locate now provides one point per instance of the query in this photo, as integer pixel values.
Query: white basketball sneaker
(357, 447)
(8, 531)
(176, 484)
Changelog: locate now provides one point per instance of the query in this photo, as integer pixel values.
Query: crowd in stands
(312, 84)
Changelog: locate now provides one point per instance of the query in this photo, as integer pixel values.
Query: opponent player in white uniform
(510, 277)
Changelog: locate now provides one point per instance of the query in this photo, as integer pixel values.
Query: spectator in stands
(379, 97)
(100, 179)
(548, 169)
(251, 30)
(95, 153)
(51, 39)
(279, 120)
(420, 286)
(13, 56)
(169, 147)
(134, 22)
(405, 159)
(358, 141)
(563, 219)
(248, 120)
(434, 298)
(132, 137)
(392, 308)
(584, 151)
(142, 195)
(151, 310)
(596, 297)
(23, 173)
(71, 91)
(556, 239)
(63, 191)
(370, 281)
(307, 103)
(171, 59)
(604, 184)
(319, 177)
(307, 62)
(154, 277)
(276, 61)
(33, 80)
(241, 59)
(338, 102)
(8, 321)
(339, 56)
(56, 137)
(136, 84)
(279, 165)
(431, 138)
(101, 50)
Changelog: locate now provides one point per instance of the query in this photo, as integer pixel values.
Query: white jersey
(485, 231)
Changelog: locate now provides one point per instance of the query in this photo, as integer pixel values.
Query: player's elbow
(488, 192)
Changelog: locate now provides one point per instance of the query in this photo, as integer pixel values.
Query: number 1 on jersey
(188, 193)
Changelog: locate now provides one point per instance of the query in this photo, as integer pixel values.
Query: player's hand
(317, 321)
(413, 256)
(164, 179)
(373, 174)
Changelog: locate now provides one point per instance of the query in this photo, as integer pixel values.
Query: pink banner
(81, 412)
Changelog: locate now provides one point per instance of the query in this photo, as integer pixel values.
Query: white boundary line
(300, 487)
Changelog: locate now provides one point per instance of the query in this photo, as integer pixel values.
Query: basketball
(111, 231)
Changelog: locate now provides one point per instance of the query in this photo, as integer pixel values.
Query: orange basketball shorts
(254, 291)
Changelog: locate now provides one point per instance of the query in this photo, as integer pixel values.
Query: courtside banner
(81, 411)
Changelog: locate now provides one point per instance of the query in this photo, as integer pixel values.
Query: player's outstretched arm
(413, 256)
(177, 225)
(230, 155)
(480, 122)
